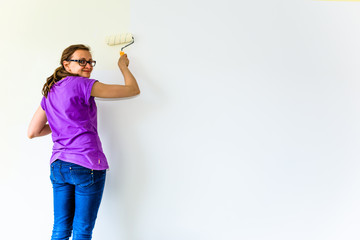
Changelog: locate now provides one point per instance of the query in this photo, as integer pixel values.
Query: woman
(78, 164)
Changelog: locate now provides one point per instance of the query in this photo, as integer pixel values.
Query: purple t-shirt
(72, 115)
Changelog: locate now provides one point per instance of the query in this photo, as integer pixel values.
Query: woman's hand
(123, 61)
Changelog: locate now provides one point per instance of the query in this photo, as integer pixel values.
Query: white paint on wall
(247, 126)
(255, 127)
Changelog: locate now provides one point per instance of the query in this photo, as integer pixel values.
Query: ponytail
(60, 72)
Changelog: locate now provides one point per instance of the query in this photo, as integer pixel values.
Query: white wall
(247, 126)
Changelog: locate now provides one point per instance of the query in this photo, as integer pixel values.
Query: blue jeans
(77, 196)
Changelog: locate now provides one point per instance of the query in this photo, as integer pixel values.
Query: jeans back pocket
(81, 176)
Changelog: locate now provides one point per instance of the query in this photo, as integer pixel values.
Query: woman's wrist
(123, 68)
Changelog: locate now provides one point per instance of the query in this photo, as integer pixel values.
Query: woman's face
(75, 68)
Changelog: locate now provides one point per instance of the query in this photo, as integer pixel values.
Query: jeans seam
(52, 173)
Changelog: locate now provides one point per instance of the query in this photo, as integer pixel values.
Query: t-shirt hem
(84, 163)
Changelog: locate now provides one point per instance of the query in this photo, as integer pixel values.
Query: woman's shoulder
(78, 80)
(81, 79)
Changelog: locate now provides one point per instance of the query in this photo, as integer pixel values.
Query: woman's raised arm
(130, 88)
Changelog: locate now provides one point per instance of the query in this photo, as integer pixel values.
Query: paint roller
(120, 39)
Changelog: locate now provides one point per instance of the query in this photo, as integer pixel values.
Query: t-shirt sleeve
(42, 103)
(85, 86)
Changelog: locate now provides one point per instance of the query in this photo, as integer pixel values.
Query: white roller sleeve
(118, 39)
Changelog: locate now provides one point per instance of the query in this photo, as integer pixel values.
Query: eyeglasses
(83, 62)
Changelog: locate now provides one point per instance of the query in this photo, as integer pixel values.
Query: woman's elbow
(137, 92)
(31, 135)
(133, 92)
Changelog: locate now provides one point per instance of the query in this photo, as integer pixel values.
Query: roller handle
(121, 50)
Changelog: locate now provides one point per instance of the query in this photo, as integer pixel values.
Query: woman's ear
(66, 65)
